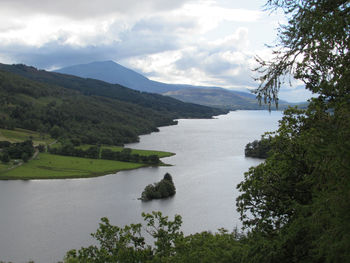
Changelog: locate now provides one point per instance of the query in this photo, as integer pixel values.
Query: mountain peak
(109, 71)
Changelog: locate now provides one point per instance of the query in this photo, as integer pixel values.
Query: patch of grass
(4, 167)
(20, 135)
(49, 166)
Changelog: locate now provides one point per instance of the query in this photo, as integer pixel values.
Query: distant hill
(90, 110)
(112, 72)
(222, 98)
(115, 73)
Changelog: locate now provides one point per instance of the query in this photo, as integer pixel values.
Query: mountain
(89, 110)
(112, 72)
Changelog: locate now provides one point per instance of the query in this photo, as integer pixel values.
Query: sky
(197, 42)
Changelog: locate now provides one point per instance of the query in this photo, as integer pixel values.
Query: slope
(71, 107)
(221, 98)
(112, 72)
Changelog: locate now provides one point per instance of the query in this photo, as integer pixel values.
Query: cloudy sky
(197, 42)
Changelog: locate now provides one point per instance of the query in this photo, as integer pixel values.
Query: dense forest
(88, 110)
(295, 206)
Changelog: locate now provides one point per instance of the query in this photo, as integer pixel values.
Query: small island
(163, 189)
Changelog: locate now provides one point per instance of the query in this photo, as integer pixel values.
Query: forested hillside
(163, 104)
(89, 110)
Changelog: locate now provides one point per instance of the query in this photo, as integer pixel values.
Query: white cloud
(188, 41)
(82, 9)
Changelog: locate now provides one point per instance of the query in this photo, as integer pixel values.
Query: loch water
(42, 219)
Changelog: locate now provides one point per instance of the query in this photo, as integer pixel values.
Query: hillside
(112, 72)
(89, 110)
(115, 73)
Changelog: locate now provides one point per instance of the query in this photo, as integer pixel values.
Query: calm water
(41, 220)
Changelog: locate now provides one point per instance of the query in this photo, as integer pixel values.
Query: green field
(49, 166)
(20, 135)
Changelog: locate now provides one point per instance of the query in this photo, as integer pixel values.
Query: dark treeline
(258, 148)
(127, 156)
(95, 152)
(21, 150)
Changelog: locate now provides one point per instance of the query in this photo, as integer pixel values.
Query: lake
(41, 219)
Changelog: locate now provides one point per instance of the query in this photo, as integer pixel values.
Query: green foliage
(5, 157)
(21, 150)
(207, 247)
(163, 189)
(258, 149)
(313, 47)
(116, 245)
(127, 244)
(296, 204)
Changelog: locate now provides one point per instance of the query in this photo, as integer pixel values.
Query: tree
(313, 47)
(5, 158)
(56, 132)
(25, 157)
(295, 202)
(258, 149)
(128, 245)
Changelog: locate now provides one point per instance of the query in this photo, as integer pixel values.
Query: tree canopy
(296, 204)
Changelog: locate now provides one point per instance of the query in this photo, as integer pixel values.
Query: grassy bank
(20, 135)
(49, 166)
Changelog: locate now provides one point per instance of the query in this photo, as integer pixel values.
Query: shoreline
(49, 166)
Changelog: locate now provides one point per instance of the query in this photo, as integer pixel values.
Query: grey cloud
(148, 36)
(213, 63)
(55, 54)
(86, 9)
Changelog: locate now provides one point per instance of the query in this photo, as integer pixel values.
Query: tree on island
(163, 189)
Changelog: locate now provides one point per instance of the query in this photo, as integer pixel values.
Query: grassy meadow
(20, 135)
(49, 166)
